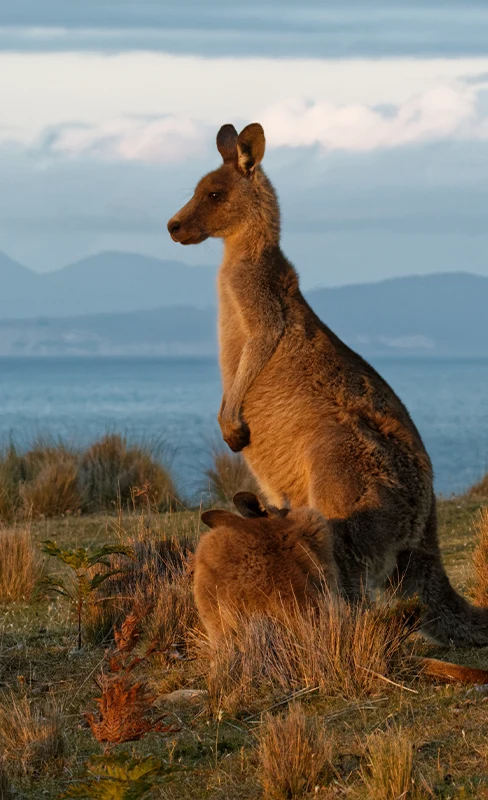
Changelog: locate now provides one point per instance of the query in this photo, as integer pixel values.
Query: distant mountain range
(106, 283)
(88, 308)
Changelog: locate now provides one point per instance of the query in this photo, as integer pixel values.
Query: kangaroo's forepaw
(237, 436)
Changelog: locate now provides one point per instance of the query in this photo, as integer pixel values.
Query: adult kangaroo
(317, 424)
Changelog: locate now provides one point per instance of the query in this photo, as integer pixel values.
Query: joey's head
(236, 198)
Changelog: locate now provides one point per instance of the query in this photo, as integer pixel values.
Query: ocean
(174, 401)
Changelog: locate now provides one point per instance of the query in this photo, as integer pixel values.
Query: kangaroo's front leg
(261, 317)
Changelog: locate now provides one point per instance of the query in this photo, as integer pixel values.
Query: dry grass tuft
(19, 565)
(31, 736)
(11, 475)
(295, 755)
(228, 475)
(161, 578)
(53, 491)
(112, 472)
(479, 589)
(340, 650)
(51, 479)
(480, 490)
(389, 772)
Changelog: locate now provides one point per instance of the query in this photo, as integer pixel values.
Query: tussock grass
(480, 490)
(112, 472)
(52, 480)
(19, 565)
(160, 578)
(53, 489)
(338, 649)
(228, 474)
(12, 473)
(389, 771)
(479, 589)
(31, 735)
(295, 755)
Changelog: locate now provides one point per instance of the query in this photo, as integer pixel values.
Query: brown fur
(317, 423)
(270, 562)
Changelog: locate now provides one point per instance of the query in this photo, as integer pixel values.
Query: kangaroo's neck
(259, 232)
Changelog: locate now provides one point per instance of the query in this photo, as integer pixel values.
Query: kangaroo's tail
(449, 619)
(452, 673)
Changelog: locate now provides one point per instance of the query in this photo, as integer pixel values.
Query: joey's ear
(227, 144)
(217, 517)
(249, 505)
(250, 148)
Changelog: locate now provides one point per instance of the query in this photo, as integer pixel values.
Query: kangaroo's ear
(249, 505)
(217, 517)
(250, 148)
(227, 144)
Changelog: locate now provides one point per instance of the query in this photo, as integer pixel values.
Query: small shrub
(125, 705)
(83, 581)
(480, 561)
(112, 472)
(31, 736)
(19, 565)
(121, 777)
(294, 755)
(389, 770)
(229, 474)
(53, 491)
(340, 649)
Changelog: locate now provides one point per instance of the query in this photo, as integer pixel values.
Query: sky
(375, 115)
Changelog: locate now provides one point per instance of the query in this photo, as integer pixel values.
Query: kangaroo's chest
(232, 336)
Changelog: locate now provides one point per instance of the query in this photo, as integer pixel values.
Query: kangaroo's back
(260, 565)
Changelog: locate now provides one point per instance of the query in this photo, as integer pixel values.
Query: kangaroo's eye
(215, 196)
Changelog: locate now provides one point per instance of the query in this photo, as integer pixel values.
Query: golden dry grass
(31, 735)
(295, 755)
(52, 479)
(389, 770)
(333, 648)
(113, 472)
(159, 578)
(480, 560)
(19, 565)
(53, 491)
(228, 474)
(480, 490)
(338, 668)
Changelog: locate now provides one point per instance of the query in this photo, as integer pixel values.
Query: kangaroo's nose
(173, 226)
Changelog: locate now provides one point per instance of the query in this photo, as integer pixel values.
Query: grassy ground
(438, 733)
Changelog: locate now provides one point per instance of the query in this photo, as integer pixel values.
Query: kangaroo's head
(235, 198)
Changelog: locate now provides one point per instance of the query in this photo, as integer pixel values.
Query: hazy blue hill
(108, 282)
(21, 289)
(431, 315)
(112, 282)
(440, 313)
(128, 303)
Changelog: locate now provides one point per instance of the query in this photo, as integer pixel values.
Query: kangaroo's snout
(173, 227)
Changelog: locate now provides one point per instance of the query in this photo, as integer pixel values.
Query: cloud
(283, 28)
(434, 115)
(162, 140)
(442, 113)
